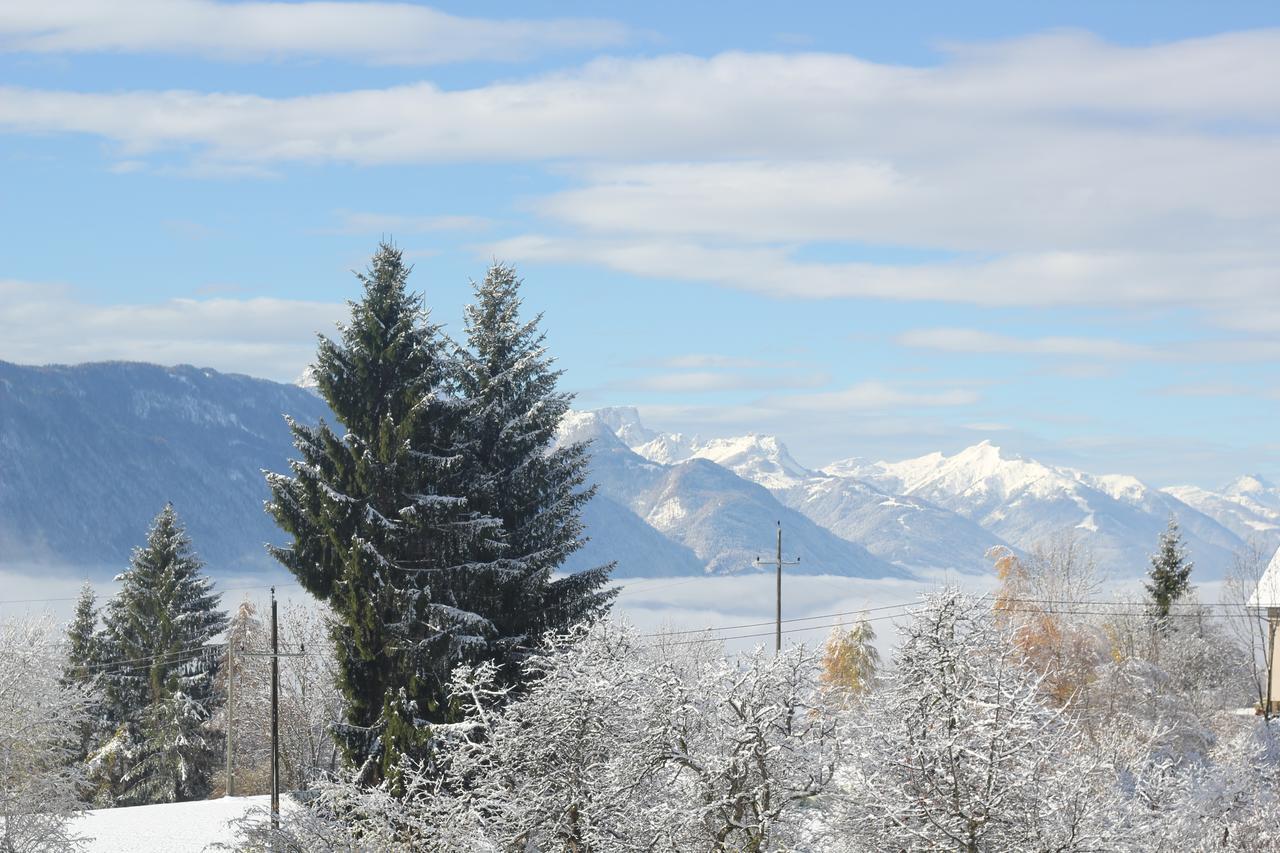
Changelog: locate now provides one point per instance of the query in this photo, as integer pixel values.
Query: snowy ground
(169, 828)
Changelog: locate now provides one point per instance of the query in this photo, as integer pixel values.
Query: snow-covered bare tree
(613, 745)
(310, 701)
(1039, 599)
(1230, 801)
(41, 717)
(959, 748)
(1248, 623)
(248, 641)
(742, 748)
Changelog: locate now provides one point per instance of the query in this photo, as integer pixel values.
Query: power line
(77, 598)
(1075, 612)
(772, 633)
(180, 655)
(784, 621)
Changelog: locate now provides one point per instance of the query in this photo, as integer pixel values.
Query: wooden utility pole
(275, 720)
(779, 562)
(275, 656)
(231, 712)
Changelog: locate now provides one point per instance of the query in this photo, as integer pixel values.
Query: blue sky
(870, 233)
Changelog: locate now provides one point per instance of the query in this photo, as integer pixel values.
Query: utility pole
(275, 721)
(275, 656)
(231, 711)
(779, 562)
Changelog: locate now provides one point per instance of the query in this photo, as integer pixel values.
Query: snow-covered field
(168, 828)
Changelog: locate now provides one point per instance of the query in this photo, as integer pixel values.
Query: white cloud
(873, 395)
(988, 426)
(1043, 171)
(976, 341)
(355, 222)
(1036, 279)
(1008, 109)
(702, 360)
(271, 338)
(704, 381)
(1237, 350)
(1209, 389)
(374, 33)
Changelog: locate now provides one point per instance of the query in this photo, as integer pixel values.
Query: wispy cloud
(355, 222)
(977, 341)
(1043, 171)
(704, 381)
(272, 338)
(874, 395)
(1208, 389)
(706, 360)
(374, 33)
(1053, 278)
(988, 426)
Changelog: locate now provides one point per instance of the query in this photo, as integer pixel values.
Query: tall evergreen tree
(82, 639)
(81, 667)
(380, 524)
(508, 386)
(1170, 572)
(159, 672)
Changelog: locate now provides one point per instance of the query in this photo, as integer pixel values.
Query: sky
(873, 230)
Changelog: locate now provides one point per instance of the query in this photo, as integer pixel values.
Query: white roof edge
(1268, 592)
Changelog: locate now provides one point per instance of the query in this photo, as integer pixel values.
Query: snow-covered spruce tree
(158, 672)
(961, 750)
(41, 716)
(512, 410)
(1170, 572)
(83, 661)
(380, 524)
(82, 639)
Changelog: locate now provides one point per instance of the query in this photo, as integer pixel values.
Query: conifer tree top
(1170, 573)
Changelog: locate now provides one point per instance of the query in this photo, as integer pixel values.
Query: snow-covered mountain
(616, 534)
(723, 518)
(89, 454)
(906, 530)
(947, 511)
(1025, 502)
(910, 532)
(1248, 506)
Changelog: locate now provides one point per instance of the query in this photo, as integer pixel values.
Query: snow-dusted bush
(1231, 801)
(40, 718)
(959, 748)
(621, 743)
(614, 745)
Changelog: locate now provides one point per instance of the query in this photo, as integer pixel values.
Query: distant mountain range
(939, 511)
(90, 453)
